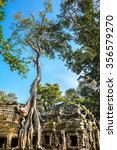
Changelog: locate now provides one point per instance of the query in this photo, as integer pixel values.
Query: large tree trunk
(31, 118)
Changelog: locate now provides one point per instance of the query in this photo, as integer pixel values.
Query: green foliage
(2, 4)
(9, 98)
(13, 58)
(48, 5)
(36, 36)
(48, 95)
(7, 51)
(91, 94)
(86, 94)
(70, 94)
(72, 97)
(2, 15)
(81, 20)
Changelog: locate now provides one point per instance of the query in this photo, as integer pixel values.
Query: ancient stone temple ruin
(65, 127)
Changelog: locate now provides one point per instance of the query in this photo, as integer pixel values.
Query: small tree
(9, 98)
(48, 95)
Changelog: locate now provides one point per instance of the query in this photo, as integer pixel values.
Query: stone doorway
(3, 142)
(73, 140)
(14, 142)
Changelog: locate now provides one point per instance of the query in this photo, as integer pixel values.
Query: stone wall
(9, 126)
(65, 127)
(70, 127)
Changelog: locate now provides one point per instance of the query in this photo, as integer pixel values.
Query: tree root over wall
(31, 119)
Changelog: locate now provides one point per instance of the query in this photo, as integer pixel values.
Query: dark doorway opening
(14, 142)
(61, 140)
(47, 139)
(3, 142)
(73, 139)
(34, 140)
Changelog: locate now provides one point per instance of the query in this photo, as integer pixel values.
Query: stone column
(64, 140)
(9, 140)
(50, 139)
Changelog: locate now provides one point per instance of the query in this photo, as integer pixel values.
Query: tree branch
(38, 47)
(33, 47)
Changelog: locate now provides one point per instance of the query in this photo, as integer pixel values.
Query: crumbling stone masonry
(65, 127)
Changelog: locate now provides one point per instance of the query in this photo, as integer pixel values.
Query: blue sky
(53, 71)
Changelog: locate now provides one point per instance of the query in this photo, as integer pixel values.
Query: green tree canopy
(91, 95)
(7, 51)
(32, 33)
(85, 94)
(72, 96)
(81, 20)
(9, 98)
(48, 95)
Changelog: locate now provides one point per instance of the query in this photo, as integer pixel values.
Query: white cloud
(67, 80)
(55, 71)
